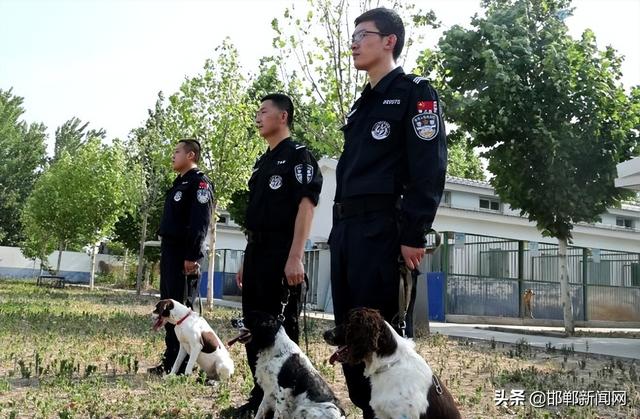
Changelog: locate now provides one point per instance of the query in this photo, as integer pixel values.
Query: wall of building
(75, 266)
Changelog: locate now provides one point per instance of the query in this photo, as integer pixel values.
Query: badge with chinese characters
(426, 125)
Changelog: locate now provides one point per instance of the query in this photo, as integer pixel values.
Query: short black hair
(282, 102)
(388, 22)
(191, 144)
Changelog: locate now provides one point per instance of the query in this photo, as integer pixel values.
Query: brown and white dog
(527, 299)
(197, 339)
(402, 383)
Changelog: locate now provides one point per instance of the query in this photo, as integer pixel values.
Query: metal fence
(487, 276)
(228, 262)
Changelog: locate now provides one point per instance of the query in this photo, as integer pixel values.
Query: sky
(105, 61)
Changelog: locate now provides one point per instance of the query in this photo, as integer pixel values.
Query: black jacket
(395, 144)
(187, 213)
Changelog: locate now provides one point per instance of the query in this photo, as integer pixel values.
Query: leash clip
(284, 302)
(436, 384)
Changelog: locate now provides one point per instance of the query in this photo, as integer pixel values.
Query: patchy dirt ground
(75, 353)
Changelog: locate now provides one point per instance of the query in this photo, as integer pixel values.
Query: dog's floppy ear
(164, 307)
(363, 331)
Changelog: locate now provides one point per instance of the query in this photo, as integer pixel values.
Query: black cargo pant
(365, 251)
(172, 285)
(262, 290)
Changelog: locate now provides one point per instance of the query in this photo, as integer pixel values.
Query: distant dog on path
(527, 299)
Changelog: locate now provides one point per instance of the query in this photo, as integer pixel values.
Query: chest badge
(275, 182)
(178, 196)
(426, 125)
(381, 130)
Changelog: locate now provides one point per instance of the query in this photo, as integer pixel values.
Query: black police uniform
(390, 178)
(281, 178)
(183, 228)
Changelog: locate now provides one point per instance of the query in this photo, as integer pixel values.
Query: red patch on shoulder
(203, 185)
(427, 105)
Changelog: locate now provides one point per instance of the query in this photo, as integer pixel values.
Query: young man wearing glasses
(390, 178)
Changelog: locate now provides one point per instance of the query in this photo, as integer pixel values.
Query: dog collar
(385, 367)
(184, 318)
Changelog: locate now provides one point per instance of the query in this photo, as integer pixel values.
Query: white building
(473, 207)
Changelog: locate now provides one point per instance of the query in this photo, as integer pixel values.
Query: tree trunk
(60, 249)
(92, 277)
(565, 296)
(147, 274)
(212, 254)
(143, 238)
(123, 277)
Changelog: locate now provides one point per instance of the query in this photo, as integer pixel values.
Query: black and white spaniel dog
(402, 384)
(197, 339)
(293, 388)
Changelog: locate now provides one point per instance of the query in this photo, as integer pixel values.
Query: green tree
(150, 150)
(213, 107)
(463, 161)
(72, 134)
(77, 201)
(551, 110)
(22, 157)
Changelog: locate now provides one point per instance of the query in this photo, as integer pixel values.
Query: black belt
(353, 207)
(268, 236)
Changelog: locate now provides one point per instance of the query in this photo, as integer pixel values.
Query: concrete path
(619, 347)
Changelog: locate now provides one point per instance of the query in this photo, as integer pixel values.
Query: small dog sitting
(293, 388)
(197, 339)
(527, 299)
(402, 384)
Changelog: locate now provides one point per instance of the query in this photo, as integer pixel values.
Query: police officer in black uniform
(390, 178)
(183, 228)
(283, 192)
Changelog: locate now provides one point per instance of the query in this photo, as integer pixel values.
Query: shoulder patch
(419, 79)
(203, 195)
(300, 176)
(426, 125)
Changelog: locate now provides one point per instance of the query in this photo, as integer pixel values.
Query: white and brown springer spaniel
(402, 383)
(293, 388)
(197, 339)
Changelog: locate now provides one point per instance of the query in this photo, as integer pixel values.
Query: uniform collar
(187, 175)
(385, 82)
(278, 147)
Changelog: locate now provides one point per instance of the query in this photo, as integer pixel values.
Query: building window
(624, 222)
(490, 204)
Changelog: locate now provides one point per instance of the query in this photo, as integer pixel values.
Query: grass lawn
(75, 353)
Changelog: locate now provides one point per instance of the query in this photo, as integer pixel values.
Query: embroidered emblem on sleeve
(426, 125)
(298, 172)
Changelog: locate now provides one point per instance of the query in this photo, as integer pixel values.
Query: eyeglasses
(359, 36)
